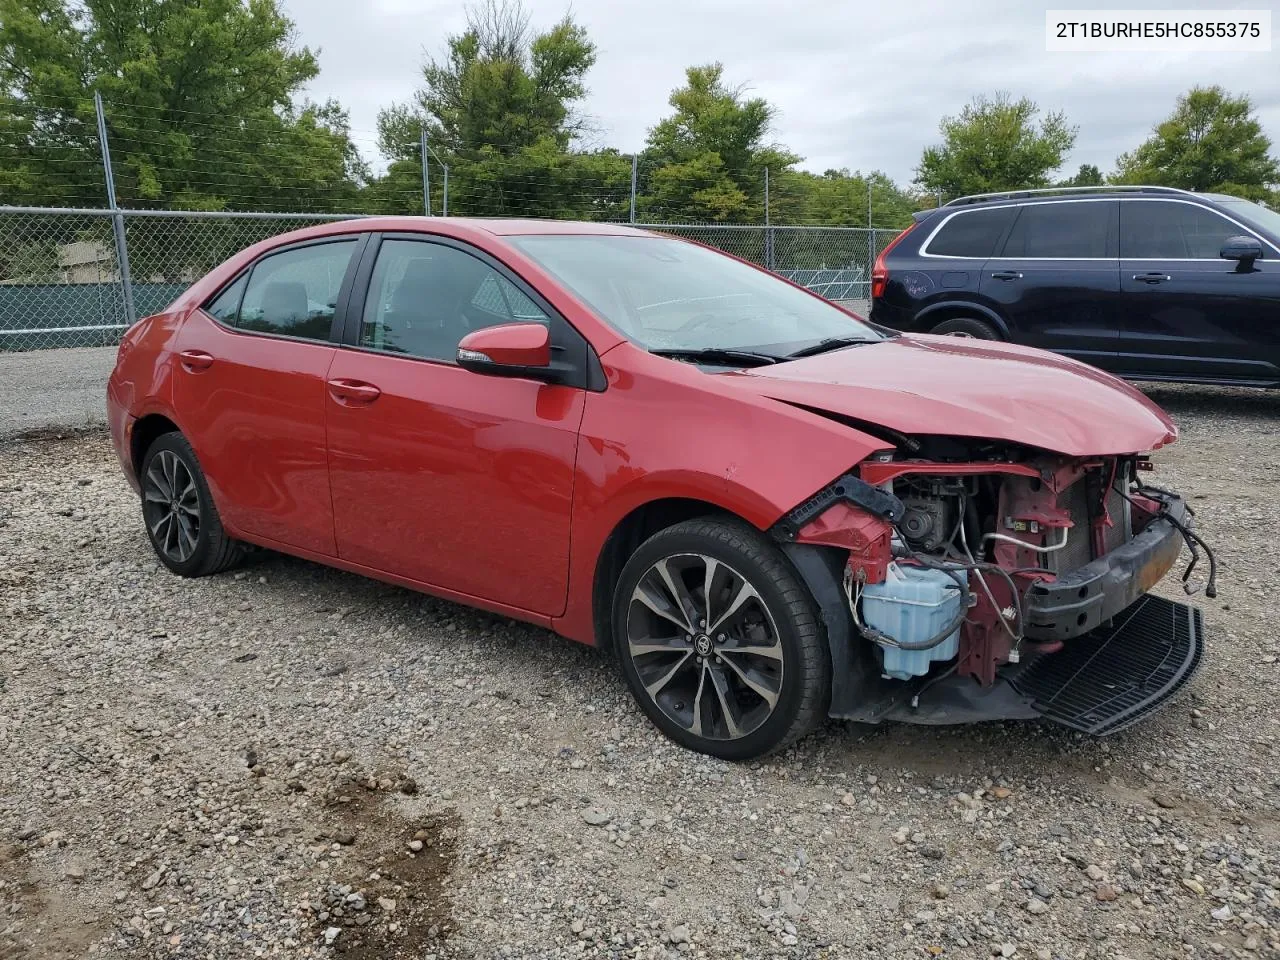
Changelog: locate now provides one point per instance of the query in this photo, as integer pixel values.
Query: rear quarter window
(971, 233)
(226, 305)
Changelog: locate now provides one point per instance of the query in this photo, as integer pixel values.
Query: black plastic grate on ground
(1114, 676)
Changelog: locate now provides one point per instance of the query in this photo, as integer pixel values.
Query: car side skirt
(515, 613)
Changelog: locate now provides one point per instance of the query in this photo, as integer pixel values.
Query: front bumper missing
(1079, 601)
(1113, 677)
(1098, 683)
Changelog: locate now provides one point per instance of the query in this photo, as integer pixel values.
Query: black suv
(1150, 283)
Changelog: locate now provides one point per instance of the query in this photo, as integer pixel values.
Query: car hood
(952, 386)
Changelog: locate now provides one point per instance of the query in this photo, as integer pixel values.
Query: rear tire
(739, 678)
(970, 327)
(178, 511)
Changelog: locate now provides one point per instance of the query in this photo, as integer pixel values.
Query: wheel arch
(633, 529)
(934, 314)
(146, 430)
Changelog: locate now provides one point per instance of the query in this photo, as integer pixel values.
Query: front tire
(178, 510)
(719, 642)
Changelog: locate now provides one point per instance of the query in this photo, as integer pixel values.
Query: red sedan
(767, 508)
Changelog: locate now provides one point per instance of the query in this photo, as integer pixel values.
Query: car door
(1188, 313)
(1057, 280)
(948, 269)
(450, 478)
(249, 386)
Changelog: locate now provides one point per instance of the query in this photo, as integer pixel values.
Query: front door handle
(195, 360)
(1006, 275)
(353, 392)
(1152, 277)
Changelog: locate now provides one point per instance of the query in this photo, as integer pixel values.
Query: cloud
(857, 85)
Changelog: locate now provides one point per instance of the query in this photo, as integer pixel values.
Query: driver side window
(424, 297)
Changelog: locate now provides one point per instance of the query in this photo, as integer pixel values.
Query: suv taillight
(879, 272)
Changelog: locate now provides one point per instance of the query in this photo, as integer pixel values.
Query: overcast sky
(856, 84)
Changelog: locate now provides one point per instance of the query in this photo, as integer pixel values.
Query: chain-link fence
(61, 284)
(60, 278)
(834, 262)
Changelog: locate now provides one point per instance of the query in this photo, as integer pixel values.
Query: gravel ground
(54, 389)
(292, 761)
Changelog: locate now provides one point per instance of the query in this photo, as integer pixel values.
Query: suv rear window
(973, 233)
(1075, 230)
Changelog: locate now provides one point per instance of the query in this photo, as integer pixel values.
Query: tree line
(205, 112)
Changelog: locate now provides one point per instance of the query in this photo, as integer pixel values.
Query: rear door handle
(195, 360)
(1152, 277)
(1005, 275)
(353, 392)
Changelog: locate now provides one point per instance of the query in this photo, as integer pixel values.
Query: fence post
(634, 158)
(426, 174)
(768, 232)
(117, 218)
(872, 253)
(445, 211)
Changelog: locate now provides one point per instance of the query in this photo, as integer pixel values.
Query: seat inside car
(284, 305)
(425, 313)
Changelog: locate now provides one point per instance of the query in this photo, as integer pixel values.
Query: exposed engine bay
(967, 563)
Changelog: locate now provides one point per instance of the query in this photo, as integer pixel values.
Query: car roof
(469, 226)
(510, 228)
(1058, 194)
(1052, 194)
(482, 231)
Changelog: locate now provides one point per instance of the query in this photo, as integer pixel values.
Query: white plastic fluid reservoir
(911, 606)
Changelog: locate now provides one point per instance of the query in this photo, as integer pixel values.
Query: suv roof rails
(1049, 191)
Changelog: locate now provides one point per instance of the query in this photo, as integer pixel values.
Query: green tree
(995, 144)
(707, 160)
(501, 109)
(200, 101)
(1212, 141)
(839, 198)
(1087, 176)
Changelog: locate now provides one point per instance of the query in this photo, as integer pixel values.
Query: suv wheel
(967, 327)
(719, 642)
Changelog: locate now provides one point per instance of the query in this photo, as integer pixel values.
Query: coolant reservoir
(911, 606)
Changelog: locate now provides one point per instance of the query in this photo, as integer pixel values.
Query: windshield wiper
(718, 356)
(827, 345)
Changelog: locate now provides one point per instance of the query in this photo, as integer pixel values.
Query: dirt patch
(35, 921)
(394, 896)
(46, 434)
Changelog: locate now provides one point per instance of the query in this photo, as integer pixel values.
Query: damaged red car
(769, 510)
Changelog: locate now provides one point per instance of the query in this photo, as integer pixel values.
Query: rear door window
(295, 293)
(972, 234)
(1079, 230)
(1160, 230)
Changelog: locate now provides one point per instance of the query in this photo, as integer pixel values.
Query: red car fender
(141, 384)
(750, 456)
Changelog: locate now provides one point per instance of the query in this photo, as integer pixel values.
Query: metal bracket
(846, 489)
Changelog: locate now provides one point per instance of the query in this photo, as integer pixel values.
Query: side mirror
(1245, 250)
(509, 350)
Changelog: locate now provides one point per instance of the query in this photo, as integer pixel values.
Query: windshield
(1254, 214)
(665, 294)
